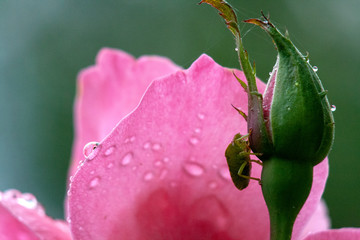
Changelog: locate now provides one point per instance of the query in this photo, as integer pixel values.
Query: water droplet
(194, 140)
(315, 68)
(127, 158)
(28, 200)
(71, 178)
(94, 182)
(236, 49)
(296, 84)
(110, 165)
(173, 184)
(147, 145)
(194, 169)
(156, 147)
(288, 108)
(270, 73)
(89, 148)
(68, 220)
(197, 130)
(68, 193)
(201, 116)
(132, 139)
(92, 172)
(158, 163)
(109, 151)
(224, 173)
(213, 185)
(148, 176)
(166, 159)
(333, 108)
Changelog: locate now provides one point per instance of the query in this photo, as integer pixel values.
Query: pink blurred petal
(11, 228)
(336, 234)
(22, 217)
(109, 91)
(311, 207)
(162, 174)
(319, 221)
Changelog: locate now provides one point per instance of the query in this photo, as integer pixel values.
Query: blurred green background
(44, 44)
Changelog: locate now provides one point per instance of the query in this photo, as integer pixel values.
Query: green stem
(286, 184)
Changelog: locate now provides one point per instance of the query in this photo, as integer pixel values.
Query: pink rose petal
(319, 221)
(109, 91)
(171, 181)
(23, 218)
(336, 234)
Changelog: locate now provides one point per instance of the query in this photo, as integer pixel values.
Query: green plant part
(238, 159)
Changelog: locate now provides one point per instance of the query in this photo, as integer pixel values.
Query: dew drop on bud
(89, 147)
(333, 108)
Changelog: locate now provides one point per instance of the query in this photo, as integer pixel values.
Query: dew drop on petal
(109, 151)
(315, 68)
(156, 147)
(333, 108)
(27, 200)
(148, 176)
(132, 139)
(110, 165)
(166, 159)
(194, 140)
(94, 182)
(224, 173)
(127, 158)
(212, 185)
(147, 145)
(89, 148)
(201, 116)
(158, 163)
(194, 169)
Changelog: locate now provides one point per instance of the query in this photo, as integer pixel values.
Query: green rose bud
(291, 126)
(296, 110)
(300, 126)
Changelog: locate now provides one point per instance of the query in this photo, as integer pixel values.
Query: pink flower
(160, 173)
